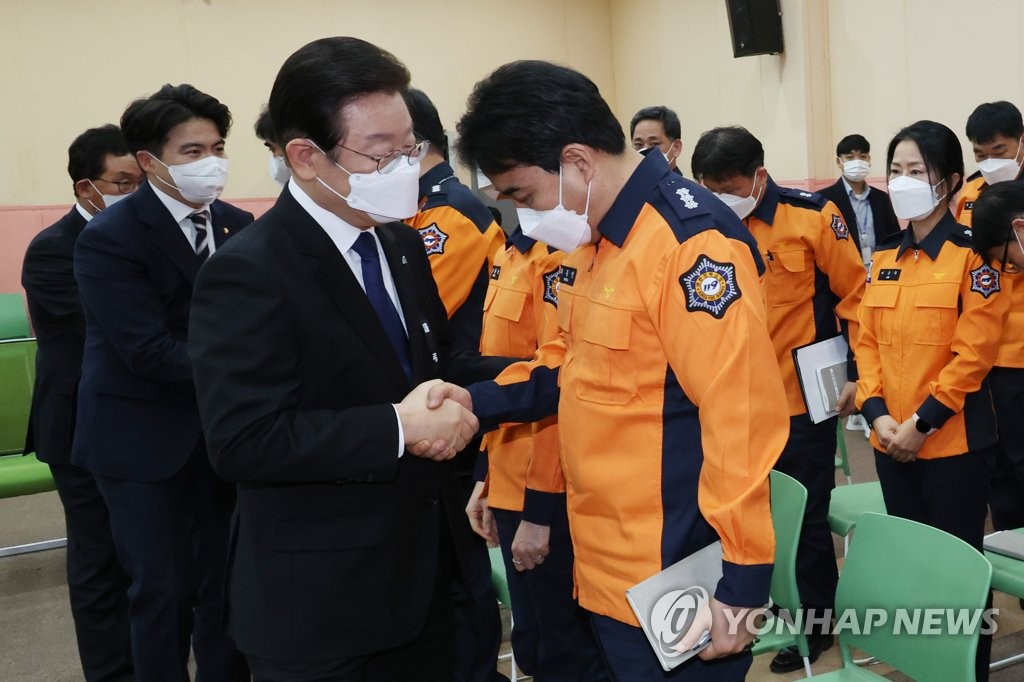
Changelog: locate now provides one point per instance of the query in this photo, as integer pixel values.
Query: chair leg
(846, 545)
(1012, 660)
(33, 547)
(807, 666)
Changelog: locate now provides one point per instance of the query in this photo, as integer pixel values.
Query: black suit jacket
(336, 538)
(59, 327)
(137, 414)
(884, 217)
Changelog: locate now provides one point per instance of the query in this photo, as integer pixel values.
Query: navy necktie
(202, 234)
(373, 282)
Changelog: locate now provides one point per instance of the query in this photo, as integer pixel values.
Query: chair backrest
(17, 376)
(498, 576)
(927, 584)
(13, 318)
(789, 499)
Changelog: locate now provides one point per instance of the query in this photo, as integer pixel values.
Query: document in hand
(668, 603)
(1006, 542)
(821, 369)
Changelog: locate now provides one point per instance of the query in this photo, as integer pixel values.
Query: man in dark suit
(102, 171)
(307, 334)
(138, 424)
(863, 206)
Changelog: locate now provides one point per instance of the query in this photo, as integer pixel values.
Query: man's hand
(906, 443)
(441, 390)
(530, 546)
(481, 518)
(723, 642)
(440, 432)
(885, 428)
(846, 405)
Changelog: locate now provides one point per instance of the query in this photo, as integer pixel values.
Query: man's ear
(299, 154)
(1017, 224)
(581, 156)
(145, 161)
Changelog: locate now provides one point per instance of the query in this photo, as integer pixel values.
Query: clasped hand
(437, 419)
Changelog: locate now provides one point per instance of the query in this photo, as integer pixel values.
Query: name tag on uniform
(567, 276)
(889, 275)
(496, 272)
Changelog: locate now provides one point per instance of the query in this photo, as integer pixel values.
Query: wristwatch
(922, 426)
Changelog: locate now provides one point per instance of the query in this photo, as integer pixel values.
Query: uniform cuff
(934, 413)
(873, 408)
(744, 586)
(480, 468)
(539, 507)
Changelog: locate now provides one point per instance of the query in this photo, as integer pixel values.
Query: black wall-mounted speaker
(756, 27)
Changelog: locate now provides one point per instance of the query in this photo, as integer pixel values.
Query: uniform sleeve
(975, 343)
(870, 398)
(837, 256)
(458, 251)
(525, 391)
(712, 322)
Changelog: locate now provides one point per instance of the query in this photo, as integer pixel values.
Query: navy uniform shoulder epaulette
(689, 201)
(456, 195)
(962, 236)
(973, 176)
(801, 197)
(891, 241)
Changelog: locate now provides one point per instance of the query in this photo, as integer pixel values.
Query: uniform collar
(619, 220)
(521, 241)
(932, 244)
(765, 211)
(434, 178)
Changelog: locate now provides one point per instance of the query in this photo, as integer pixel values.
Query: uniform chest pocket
(605, 368)
(880, 310)
(508, 304)
(936, 310)
(789, 278)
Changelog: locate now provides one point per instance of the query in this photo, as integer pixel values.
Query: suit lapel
(335, 277)
(166, 233)
(222, 225)
(421, 334)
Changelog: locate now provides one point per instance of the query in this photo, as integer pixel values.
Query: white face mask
(741, 206)
(856, 170)
(278, 169)
(913, 199)
(200, 181)
(108, 199)
(1001, 170)
(386, 196)
(563, 229)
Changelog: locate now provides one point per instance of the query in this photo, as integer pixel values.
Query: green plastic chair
(499, 578)
(842, 458)
(789, 500)
(13, 318)
(901, 565)
(849, 502)
(19, 475)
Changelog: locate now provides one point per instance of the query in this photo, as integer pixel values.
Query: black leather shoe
(789, 659)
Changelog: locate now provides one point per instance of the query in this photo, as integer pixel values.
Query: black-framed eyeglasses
(123, 186)
(411, 154)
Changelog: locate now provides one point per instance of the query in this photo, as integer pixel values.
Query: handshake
(437, 419)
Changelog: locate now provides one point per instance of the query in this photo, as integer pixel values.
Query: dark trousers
(629, 657)
(171, 538)
(809, 457)
(948, 493)
(427, 658)
(551, 635)
(1006, 465)
(97, 585)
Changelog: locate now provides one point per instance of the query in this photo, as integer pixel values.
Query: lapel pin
(426, 328)
(226, 230)
(404, 261)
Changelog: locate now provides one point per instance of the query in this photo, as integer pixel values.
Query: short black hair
(321, 78)
(88, 153)
(668, 118)
(853, 143)
(265, 127)
(147, 122)
(524, 113)
(426, 122)
(724, 152)
(994, 212)
(994, 119)
(940, 148)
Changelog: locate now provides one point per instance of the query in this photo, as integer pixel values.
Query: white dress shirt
(181, 214)
(81, 211)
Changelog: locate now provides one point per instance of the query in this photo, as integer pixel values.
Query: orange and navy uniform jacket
(520, 461)
(1011, 345)
(972, 189)
(461, 238)
(930, 326)
(814, 274)
(670, 404)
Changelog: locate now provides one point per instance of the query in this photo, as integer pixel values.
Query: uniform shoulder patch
(710, 287)
(551, 286)
(985, 281)
(433, 239)
(838, 226)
